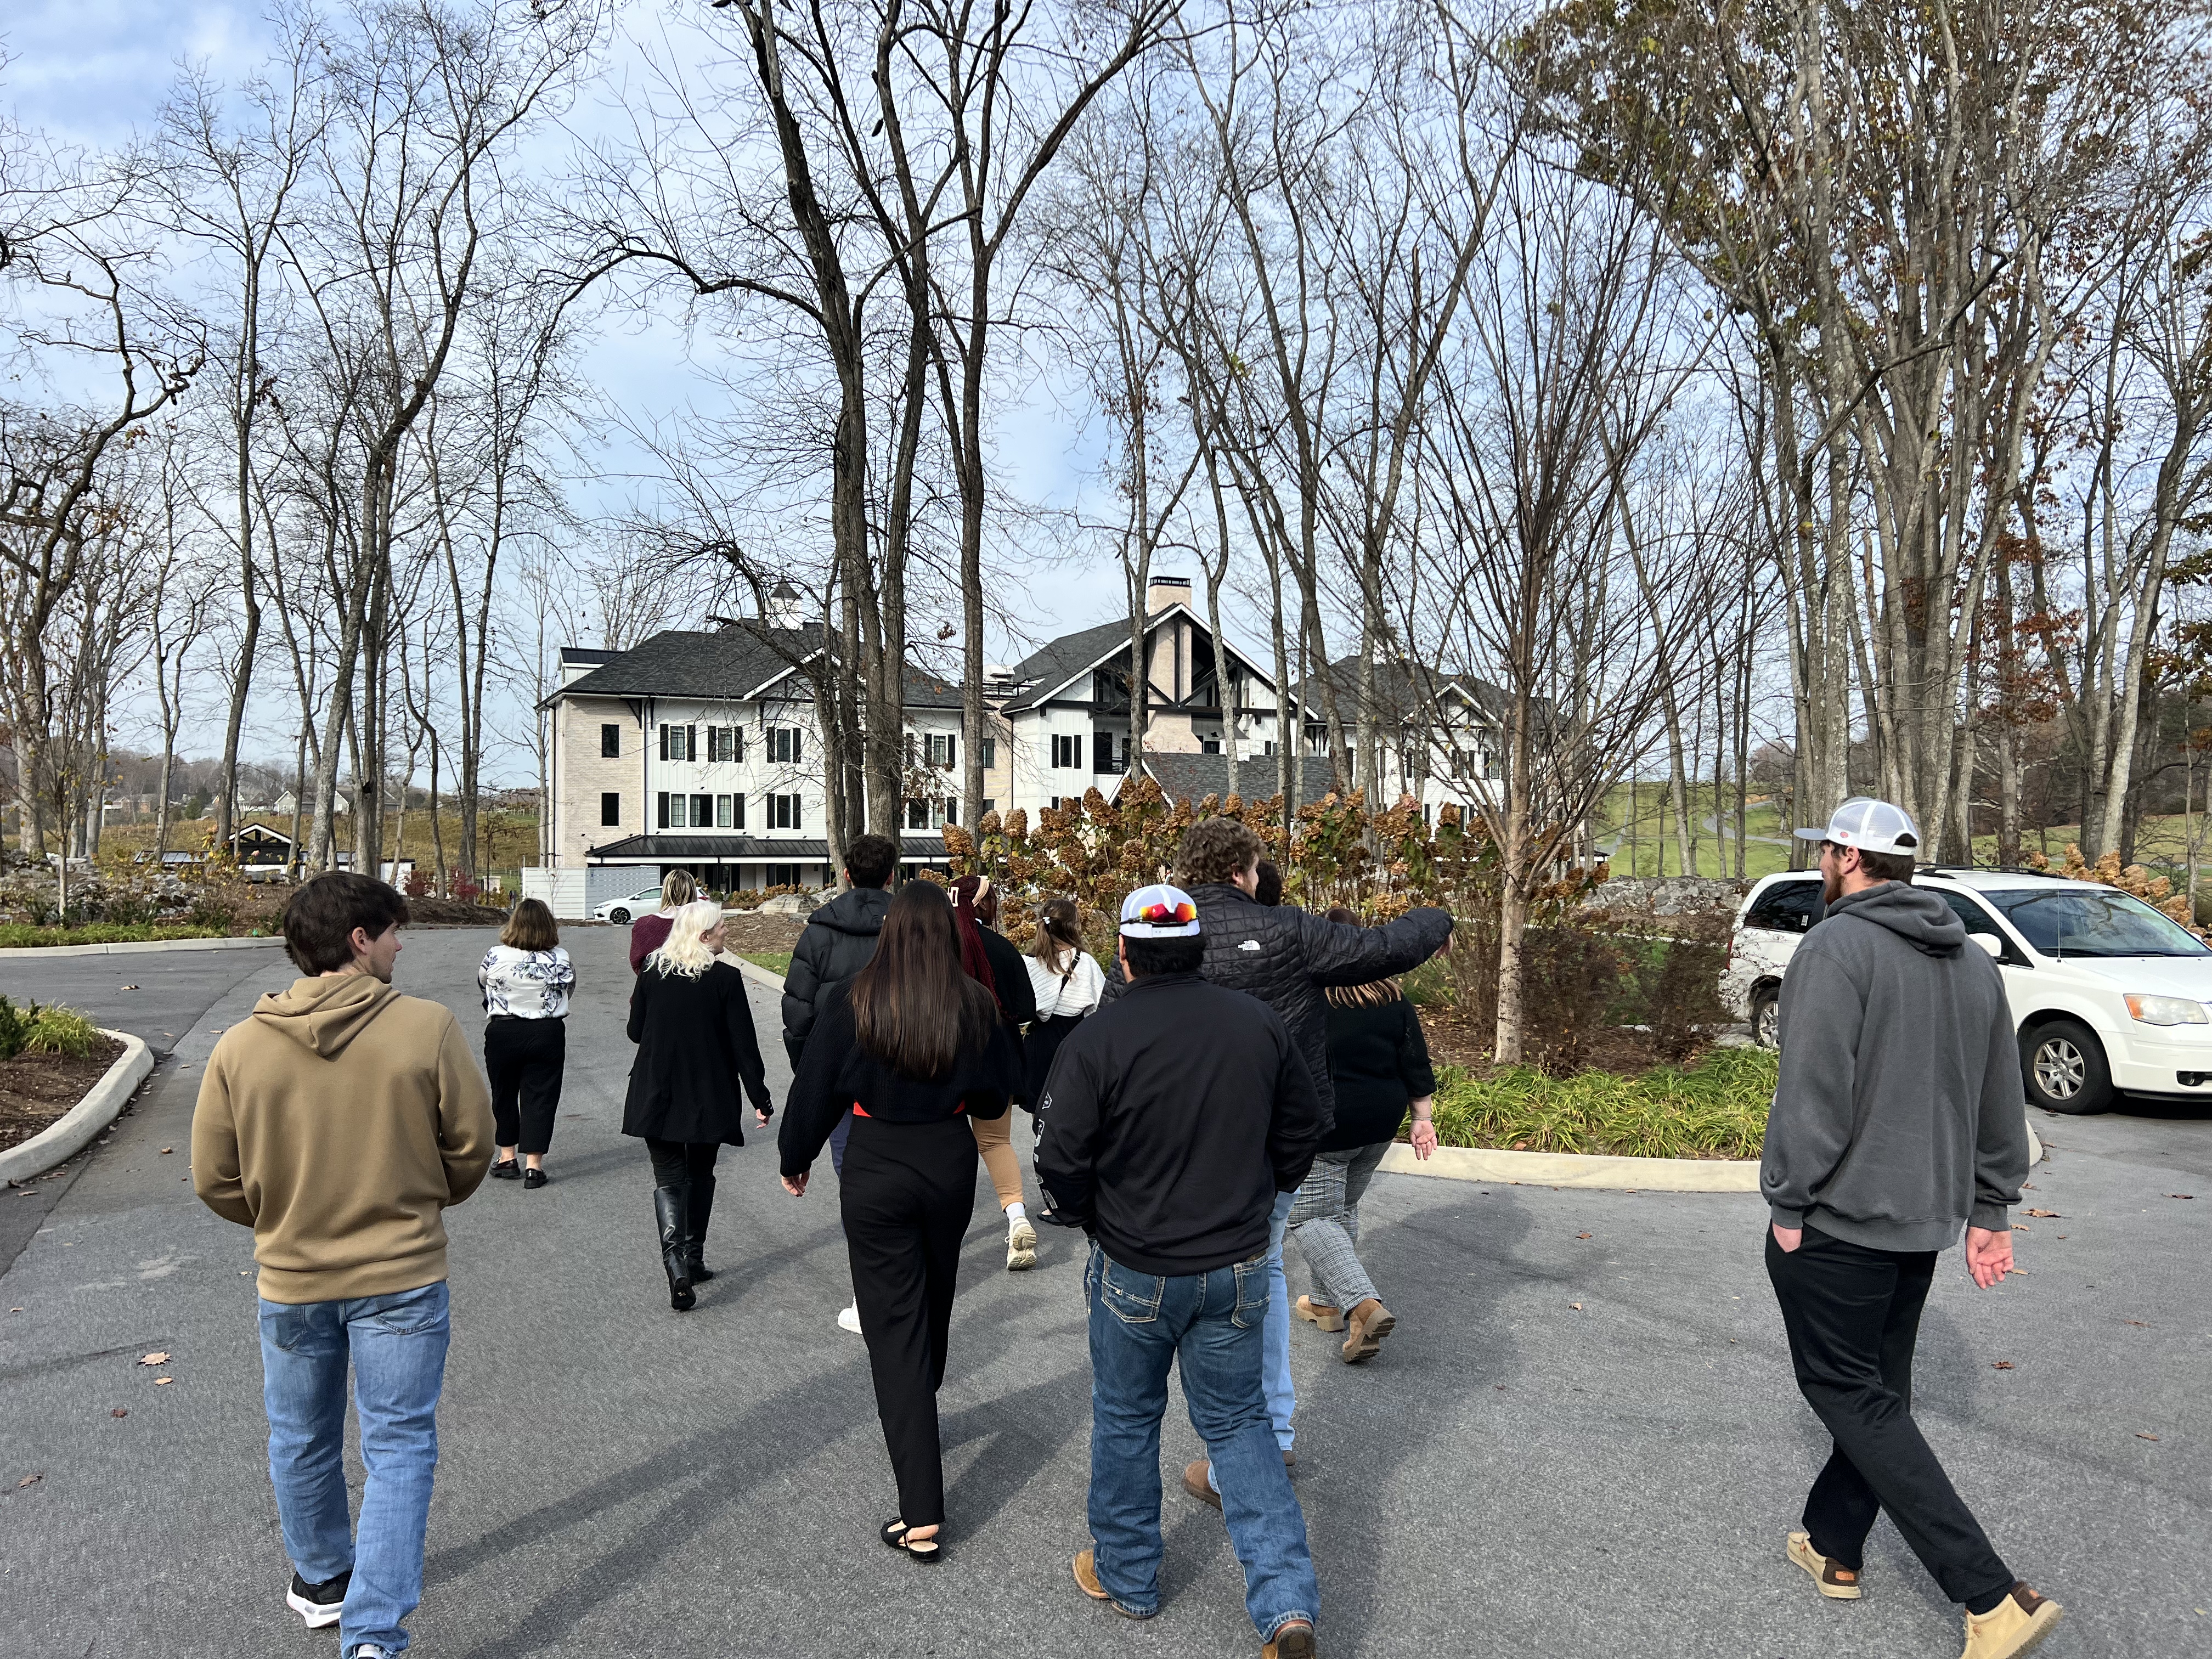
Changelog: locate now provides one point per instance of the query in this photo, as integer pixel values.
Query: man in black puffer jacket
(1285, 957)
(840, 938)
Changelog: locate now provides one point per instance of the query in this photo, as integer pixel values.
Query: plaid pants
(1325, 1222)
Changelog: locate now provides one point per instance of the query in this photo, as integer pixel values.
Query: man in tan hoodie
(338, 1121)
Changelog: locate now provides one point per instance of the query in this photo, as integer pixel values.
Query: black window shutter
(951, 750)
(690, 743)
(663, 742)
(794, 758)
(1076, 744)
(738, 813)
(660, 806)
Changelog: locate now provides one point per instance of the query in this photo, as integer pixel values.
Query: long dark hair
(1058, 930)
(914, 1010)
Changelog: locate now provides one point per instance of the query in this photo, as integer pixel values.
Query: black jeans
(907, 1192)
(682, 1162)
(1853, 1314)
(523, 1057)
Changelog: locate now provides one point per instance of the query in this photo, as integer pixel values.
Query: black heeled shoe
(668, 1209)
(506, 1170)
(919, 1549)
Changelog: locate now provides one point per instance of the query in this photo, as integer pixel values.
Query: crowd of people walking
(1227, 1084)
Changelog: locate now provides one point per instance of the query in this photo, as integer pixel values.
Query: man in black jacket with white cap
(1898, 1118)
(1172, 1121)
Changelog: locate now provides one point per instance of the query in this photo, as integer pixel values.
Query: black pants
(1853, 1314)
(523, 1058)
(907, 1192)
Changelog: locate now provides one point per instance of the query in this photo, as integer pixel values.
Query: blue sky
(94, 72)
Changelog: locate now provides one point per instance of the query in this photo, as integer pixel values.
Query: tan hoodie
(338, 1121)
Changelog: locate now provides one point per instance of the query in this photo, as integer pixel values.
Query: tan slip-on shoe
(2015, 1626)
(1832, 1580)
(1319, 1314)
(1087, 1580)
(1193, 1482)
(1292, 1641)
(1367, 1325)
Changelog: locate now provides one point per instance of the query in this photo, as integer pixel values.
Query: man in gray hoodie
(1898, 1117)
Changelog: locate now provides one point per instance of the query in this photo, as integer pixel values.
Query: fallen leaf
(166, 1150)
(2028, 1186)
(2017, 1228)
(159, 1381)
(119, 1412)
(126, 987)
(2181, 1194)
(2135, 1321)
(159, 1357)
(2058, 1235)
(1576, 1306)
(2146, 1437)
(1581, 1235)
(2044, 1215)
(2000, 1364)
(30, 1480)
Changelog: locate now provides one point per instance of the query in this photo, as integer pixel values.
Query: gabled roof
(1194, 777)
(586, 656)
(726, 662)
(1048, 670)
(1400, 688)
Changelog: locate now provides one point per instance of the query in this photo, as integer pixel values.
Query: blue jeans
(1282, 1398)
(396, 1344)
(1212, 1325)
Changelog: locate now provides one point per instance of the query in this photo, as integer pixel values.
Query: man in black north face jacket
(840, 938)
(1283, 955)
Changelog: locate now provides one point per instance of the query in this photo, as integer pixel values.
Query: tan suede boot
(1368, 1324)
(1319, 1313)
(2014, 1626)
(1840, 1583)
(1294, 1641)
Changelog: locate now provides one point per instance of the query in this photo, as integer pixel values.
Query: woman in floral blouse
(526, 979)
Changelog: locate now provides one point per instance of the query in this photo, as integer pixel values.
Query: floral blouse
(527, 984)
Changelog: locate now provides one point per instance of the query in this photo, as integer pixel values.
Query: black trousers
(523, 1059)
(682, 1162)
(1853, 1315)
(907, 1192)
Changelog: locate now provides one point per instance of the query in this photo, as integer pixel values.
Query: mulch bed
(454, 912)
(1615, 1048)
(38, 1090)
(744, 931)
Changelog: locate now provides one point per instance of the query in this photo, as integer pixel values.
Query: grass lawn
(16, 935)
(1647, 807)
(1717, 1107)
(776, 962)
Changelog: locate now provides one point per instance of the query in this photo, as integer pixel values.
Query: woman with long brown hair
(915, 1049)
(1068, 983)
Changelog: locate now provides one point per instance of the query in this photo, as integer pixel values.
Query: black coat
(839, 940)
(1284, 956)
(1171, 1119)
(1378, 1062)
(838, 1074)
(696, 1047)
(1017, 996)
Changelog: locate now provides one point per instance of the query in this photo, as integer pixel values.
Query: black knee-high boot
(694, 1239)
(669, 1208)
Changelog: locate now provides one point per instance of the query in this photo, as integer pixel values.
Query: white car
(623, 910)
(2109, 996)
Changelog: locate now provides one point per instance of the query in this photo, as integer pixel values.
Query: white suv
(2108, 995)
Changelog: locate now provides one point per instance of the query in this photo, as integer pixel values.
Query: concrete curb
(134, 947)
(754, 972)
(58, 1142)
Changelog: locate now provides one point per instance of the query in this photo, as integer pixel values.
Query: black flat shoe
(532, 1179)
(506, 1170)
(922, 1549)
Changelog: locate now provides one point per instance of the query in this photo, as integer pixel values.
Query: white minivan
(2109, 996)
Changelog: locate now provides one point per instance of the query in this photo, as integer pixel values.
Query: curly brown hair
(1217, 849)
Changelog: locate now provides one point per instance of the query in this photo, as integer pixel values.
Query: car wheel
(2064, 1068)
(619, 916)
(1767, 1016)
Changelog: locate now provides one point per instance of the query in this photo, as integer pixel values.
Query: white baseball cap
(1870, 825)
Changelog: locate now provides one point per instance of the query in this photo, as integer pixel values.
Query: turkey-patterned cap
(1160, 912)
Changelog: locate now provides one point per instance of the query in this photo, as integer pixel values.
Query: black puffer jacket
(839, 941)
(1283, 955)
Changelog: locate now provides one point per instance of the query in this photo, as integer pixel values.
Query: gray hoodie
(1899, 1114)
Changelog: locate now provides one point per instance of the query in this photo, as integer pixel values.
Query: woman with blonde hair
(1378, 1063)
(525, 979)
(693, 1025)
(646, 934)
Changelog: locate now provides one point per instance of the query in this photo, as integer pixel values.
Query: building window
(989, 806)
(1052, 801)
(783, 745)
(1210, 743)
(722, 814)
(679, 742)
(1267, 748)
(725, 743)
(610, 742)
(990, 747)
(702, 810)
(783, 875)
(783, 812)
(611, 808)
(917, 815)
(1068, 751)
(944, 748)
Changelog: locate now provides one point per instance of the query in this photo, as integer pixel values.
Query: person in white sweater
(1068, 984)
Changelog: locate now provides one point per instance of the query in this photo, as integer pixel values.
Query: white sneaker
(1021, 1246)
(849, 1320)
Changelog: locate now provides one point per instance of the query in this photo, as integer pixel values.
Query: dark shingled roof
(1194, 777)
(1045, 670)
(1399, 689)
(725, 664)
(744, 849)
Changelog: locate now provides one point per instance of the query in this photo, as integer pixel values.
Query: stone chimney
(1164, 591)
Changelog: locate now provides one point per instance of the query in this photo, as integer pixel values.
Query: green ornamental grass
(1714, 1108)
(57, 1030)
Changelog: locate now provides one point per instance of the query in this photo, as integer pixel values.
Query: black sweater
(836, 1074)
(1171, 1119)
(696, 1047)
(1379, 1061)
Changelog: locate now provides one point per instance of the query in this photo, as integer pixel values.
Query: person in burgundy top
(913, 1048)
(649, 933)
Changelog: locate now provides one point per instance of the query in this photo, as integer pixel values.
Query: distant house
(256, 846)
